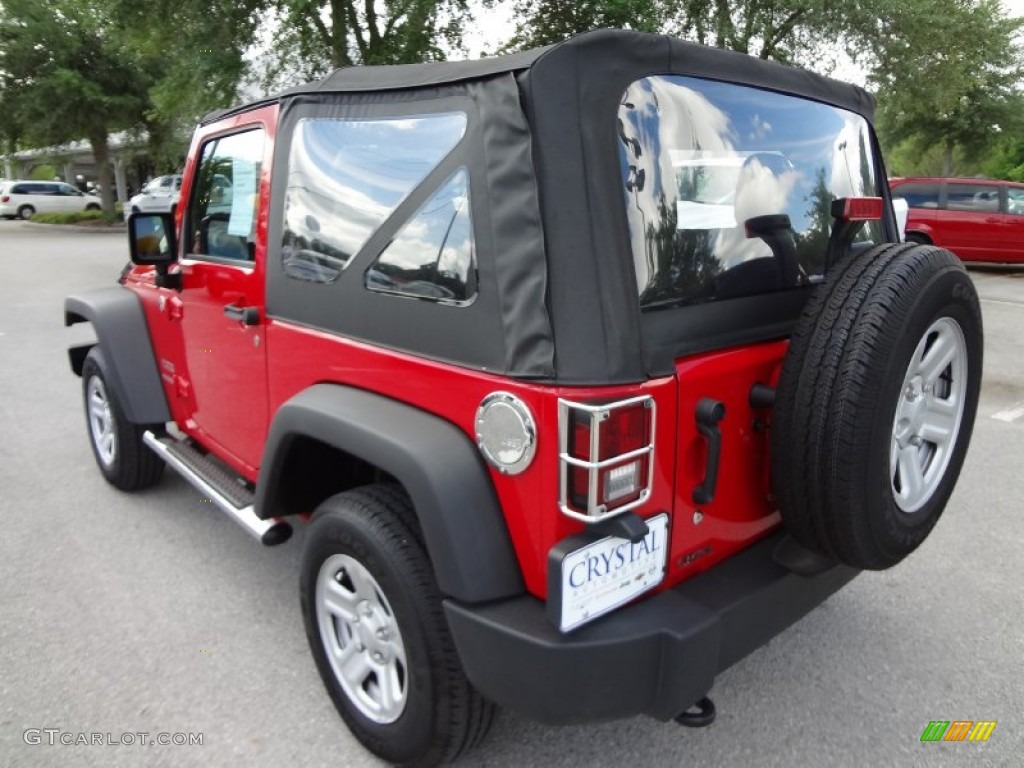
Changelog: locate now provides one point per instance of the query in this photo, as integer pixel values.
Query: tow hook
(701, 718)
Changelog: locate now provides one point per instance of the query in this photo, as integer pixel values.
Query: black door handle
(247, 315)
(709, 413)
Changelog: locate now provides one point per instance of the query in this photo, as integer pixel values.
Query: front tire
(876, 403)
(123, 458)
(378, 634)
(92, 207)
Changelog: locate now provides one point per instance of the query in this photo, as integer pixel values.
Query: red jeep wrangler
(597, 366)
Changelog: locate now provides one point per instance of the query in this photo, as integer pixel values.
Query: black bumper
(656, 657)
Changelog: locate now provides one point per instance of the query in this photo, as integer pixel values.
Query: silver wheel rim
(101, 421)
(361, 639)
(928, 415)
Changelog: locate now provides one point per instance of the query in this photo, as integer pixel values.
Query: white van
(24, 199)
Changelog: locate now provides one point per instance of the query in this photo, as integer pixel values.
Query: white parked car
(160, 195)
(24, 199)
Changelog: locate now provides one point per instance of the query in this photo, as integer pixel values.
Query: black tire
(92, 207)
(443, 716)
(834, 434)
(26, 212)
(917, 237)
(130, 465)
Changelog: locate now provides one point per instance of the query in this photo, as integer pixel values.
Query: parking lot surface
(151, 613)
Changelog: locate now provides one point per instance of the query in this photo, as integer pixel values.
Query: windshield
(728, 188)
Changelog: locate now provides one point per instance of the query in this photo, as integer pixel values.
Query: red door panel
(225, 359)
(971, 224)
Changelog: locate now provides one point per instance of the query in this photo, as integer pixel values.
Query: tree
(793, 31)
(1006, 160)
(64, 76)
(953, 84)
(193, 56)
(315, 36)
(543, 22)
(790, 31)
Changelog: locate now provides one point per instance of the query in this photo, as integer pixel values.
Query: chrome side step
(214, 482)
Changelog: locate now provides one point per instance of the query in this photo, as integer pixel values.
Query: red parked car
(978, 219)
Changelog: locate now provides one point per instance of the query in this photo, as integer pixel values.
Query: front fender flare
(462, 522)
(117, 317)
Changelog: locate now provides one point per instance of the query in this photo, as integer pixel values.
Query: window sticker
(243, 198)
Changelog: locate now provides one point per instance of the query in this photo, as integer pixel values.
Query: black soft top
(556, 244)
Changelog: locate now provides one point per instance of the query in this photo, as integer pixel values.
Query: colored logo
(958, 730)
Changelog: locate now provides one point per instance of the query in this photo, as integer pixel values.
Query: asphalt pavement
(151, 613)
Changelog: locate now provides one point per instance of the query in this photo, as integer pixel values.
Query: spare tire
(876, 403)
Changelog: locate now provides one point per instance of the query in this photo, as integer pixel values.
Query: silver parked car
(160, 195)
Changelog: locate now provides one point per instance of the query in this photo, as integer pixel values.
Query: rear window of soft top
(728, 188)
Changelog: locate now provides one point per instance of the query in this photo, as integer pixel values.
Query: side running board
(220, 485)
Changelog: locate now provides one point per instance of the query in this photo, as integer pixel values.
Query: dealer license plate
(605, 574)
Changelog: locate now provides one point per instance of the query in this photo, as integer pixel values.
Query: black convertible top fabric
(556, 242)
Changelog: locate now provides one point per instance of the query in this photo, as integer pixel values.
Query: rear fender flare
(462, 522)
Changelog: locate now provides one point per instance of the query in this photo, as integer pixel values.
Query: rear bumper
(656, 657)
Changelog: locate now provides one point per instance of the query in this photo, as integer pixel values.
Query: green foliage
(953, 84)
(790, 31)
(909, 158)
(315, 36)
(88, 218)
(543, 22)
(192, 51)
(64, 75)
(43, 173)
(1006, 160)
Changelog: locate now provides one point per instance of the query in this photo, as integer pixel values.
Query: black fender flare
(117, 317)
(439, 466)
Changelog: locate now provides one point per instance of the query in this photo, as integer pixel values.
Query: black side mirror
(151, 241)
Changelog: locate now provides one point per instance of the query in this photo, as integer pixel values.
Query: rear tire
(917, 237)
(378, 633)
(123, 458)
(876, 403)
(26, 212)
(92, 207)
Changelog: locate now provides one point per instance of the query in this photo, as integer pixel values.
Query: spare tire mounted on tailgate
(876, 403)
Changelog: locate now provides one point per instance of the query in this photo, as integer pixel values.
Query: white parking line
(1010, 414)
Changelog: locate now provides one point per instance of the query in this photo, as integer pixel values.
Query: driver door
(222, 309)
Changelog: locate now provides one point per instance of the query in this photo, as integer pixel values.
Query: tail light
(5, 199)
(606, 456)
(857, 208)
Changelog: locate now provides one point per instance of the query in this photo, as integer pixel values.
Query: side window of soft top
(433, 255)
(346, 178)
(224, 209)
